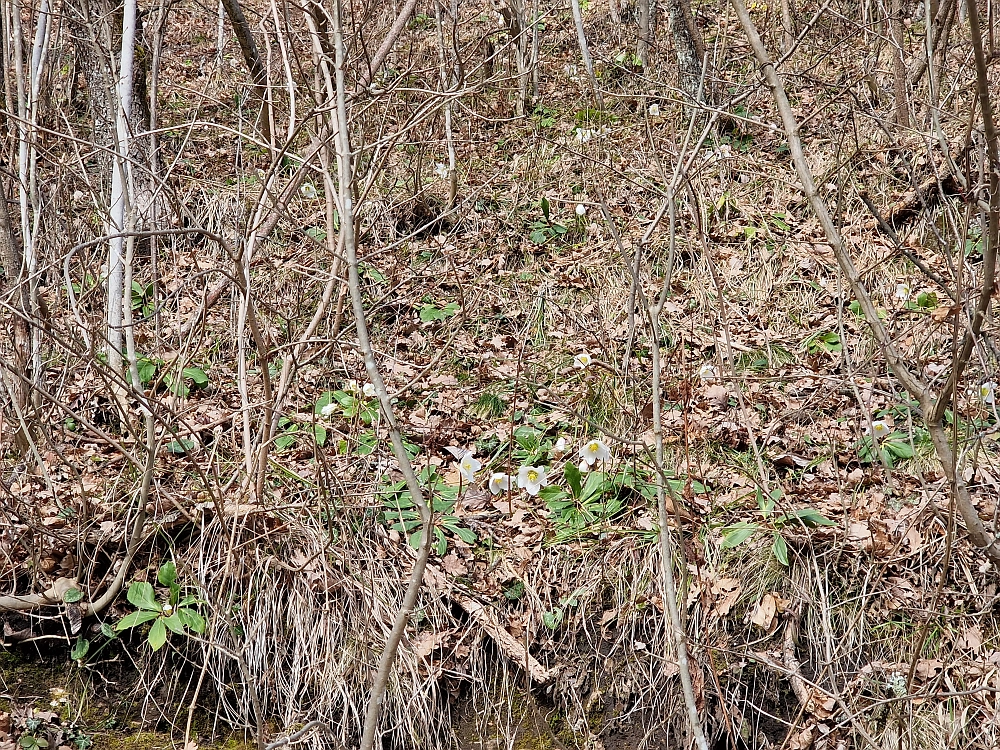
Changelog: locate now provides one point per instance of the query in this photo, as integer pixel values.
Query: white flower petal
(581, 210)
(369, 390)
(499, 482)
(582, 360)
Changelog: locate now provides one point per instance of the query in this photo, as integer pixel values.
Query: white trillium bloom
(308, 191)
(499, 482)
(368, 390)
(903, 291)
(879, 428)
(581, 210)
(468, 467)
(441, 171)
(654, 110)
(329, 409)
(582, 360)
(594, 451)
(988, 392)
(708, 372)
(531, 479)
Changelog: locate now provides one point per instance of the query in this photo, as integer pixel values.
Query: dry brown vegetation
(829, 593)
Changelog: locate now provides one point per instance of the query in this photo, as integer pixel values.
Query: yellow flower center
(532, 476)
(592, 447)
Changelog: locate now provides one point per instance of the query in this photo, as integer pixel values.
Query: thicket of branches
(441, 373)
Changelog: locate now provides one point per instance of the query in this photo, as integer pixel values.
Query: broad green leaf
(285, 441)
(735, 535)
(324, 400)
(80, 649)
(594, 487)
(316, 234)
(174, 623)
(197, 375)
(180, 446)
(319, 433)
(574, 478)
(898, 448)
(147, 370)
(157, 635)
(552, 618)
(430, 313)
(466, 535)
(72, 596)
(134, 619)
(167, 574)
(780, 549)
(141, 595)
(192, 619)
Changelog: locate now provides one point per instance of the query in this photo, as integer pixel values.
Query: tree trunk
(13, 265)
(688, 45)
(899, 65)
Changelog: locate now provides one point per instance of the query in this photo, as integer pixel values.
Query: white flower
(708, 372)
(584, 467)
(595, 451)
(582, 360)
(78, 196)
(368, 390)
(654, 110)
(308, 191)
(903, 291)
(639, 646)
(468, 467)
(531, 479)
(351, 386)
(988, 392)
(584, 134)
(441, 171)
(499, 482)
(168, 609)
(879, 429)
(581, 210)
(560, 447)
(329, 409)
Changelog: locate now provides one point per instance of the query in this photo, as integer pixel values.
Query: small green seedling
(174, 613)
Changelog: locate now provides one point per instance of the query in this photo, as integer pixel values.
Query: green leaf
(442, 541)
(147, 370)
(574, 478)
(135, 619)
(316, 234)
(552, 618)
(174, 623)
(430, 313)
(107, 631)
(141, 595)
(780, 549)
(594, 487)
(197, 375)
(157, 634)
(735, 535)
(808, 516)
(72, 596)
(544, 204)
(466, 535)
(898, 448)
(80, 649)
(319, 433)
(180, 446)
(287, 440)
(167, 574)
(192, 619)
(324, 400)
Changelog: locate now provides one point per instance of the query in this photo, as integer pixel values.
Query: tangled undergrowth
(830, 599)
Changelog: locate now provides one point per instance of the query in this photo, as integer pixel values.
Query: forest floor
(814, 522)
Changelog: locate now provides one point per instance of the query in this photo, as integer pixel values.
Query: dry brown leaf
(764, 614)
